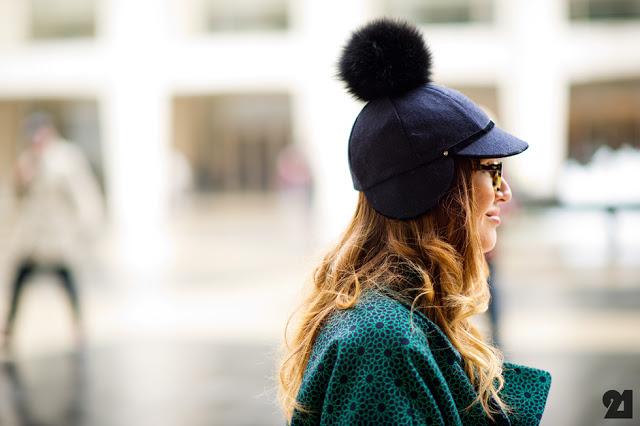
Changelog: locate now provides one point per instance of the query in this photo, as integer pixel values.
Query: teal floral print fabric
(378, 363)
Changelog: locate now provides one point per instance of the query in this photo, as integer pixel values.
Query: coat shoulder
(373, 319)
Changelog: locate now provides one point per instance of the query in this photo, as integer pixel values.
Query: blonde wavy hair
(435, 262)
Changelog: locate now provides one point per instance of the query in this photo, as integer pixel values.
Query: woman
(385, 336)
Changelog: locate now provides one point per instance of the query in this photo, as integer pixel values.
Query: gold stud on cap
(445, 153)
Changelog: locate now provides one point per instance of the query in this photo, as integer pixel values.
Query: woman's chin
(488, 240)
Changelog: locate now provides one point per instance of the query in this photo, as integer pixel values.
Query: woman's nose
(504, 192)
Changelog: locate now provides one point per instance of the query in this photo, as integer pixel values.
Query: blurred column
(534, 91)
(325, 111)
(136, 119)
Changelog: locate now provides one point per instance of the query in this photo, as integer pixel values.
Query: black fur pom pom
(384, 58)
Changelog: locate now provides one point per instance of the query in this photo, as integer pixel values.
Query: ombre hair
(434, 262)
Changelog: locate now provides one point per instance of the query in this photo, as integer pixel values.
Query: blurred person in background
(59, 211)
(294, 173)
(295, 193)
(385, 335)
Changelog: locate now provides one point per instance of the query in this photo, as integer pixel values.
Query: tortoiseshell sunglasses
(495, 169)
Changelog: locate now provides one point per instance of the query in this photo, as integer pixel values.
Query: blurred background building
(201, 117)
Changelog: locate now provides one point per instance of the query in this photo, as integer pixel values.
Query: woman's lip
(495, 219)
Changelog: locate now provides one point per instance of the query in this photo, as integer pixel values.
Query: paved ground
(189, 335)
(143, 383)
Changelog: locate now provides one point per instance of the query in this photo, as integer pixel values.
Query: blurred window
(232, 142)
(52, 19)
(603, 114)
(604, 9)
(439, 11)
(245, 15)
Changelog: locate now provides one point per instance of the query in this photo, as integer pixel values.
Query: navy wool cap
(404, 141)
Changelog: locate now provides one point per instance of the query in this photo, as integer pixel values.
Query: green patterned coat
(376, 364)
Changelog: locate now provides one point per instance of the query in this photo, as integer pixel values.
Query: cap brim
(412, 193)
(496, 143)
